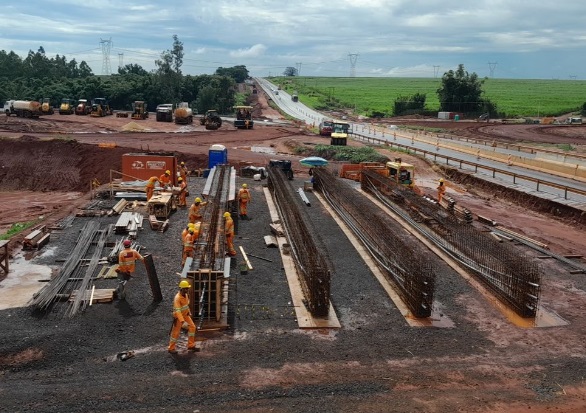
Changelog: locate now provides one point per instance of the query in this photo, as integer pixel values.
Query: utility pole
(353, 58)
(106, 46)
(298, 68)
(435, 71)
(491, 67)
(120, 60)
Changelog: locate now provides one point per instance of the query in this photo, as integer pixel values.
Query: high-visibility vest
(127, 260)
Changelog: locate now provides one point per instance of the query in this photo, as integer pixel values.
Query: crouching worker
(181, 314)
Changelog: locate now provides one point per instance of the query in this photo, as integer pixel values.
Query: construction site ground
(375, 362)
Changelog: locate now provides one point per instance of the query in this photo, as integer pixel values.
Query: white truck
(183, 114)
(165, 112)
(23, 108)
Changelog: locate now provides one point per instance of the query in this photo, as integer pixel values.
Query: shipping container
(141, 166)
(218, 155)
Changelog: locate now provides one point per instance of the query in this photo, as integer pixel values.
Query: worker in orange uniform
(183, 171)
(188, 242)
(441, 190)
(194, 210)
(150, 186)
(182, 192)
(229, 233)
(182, 314)
(165, 179)
(243, 200)
(126, 266)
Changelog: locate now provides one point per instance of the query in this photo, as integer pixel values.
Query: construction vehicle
(46, 106)
(24, 109)
(402, 173)
(66, 107)
(165, 112)
(295, 98)
(139, 110)
(83, 108)
(100, 107)
(211, 120)
(339, 135)
(243, 117)
(6, 108)
(183, 114)
(325, 127)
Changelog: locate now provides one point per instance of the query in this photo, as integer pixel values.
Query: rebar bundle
(396, 254)
(512, 277)
(312, 266)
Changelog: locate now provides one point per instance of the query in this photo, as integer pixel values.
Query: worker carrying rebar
(188, 242)
(194, 210)
(150, 187)
(126, 264)
(182, 192)
(243, 199)
(441, 190)
(229, 234)
(165, 179)
(182, 314)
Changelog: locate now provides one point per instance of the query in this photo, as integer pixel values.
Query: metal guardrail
(475, 166)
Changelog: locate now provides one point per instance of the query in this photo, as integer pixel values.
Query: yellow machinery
(402, 173)
(339, 134)
(140, 110)
(67, 107)
(100, 107)
(211, 120)
(243, 117)
(46, 106)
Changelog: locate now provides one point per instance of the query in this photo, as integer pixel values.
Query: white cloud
(253, 51)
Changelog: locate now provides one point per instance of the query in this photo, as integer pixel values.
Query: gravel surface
(264, 362)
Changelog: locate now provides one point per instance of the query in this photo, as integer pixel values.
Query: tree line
(38, 76)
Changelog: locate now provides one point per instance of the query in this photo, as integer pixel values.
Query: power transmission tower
(491, 67)
(120, 60)
(353, 58)
(435, 71)
(106, 46)
(298, 68)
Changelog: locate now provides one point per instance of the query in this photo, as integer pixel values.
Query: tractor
(211, 120)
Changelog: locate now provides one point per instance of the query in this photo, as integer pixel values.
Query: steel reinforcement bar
(397, 255)
(312, 266)
(512, 277)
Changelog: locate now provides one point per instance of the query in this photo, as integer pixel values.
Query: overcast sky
(407, 38)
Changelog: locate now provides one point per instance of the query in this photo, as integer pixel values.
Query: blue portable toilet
(218, 155)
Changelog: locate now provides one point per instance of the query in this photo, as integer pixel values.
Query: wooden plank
(99, 295)
(248, 264)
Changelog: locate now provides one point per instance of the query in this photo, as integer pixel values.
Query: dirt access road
(375, 363)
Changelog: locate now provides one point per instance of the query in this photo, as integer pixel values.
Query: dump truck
(211, 120)
(139, 110)
(67, 107)
(25, 109)
(165, 112)
(100, 107)
(83, 108)
(183, 114)
(243, 117)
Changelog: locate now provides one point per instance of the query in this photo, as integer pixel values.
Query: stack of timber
(128, 223)
(36, 239)
(105, 295)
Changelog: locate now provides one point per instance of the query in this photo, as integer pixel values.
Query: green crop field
(513, 97)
